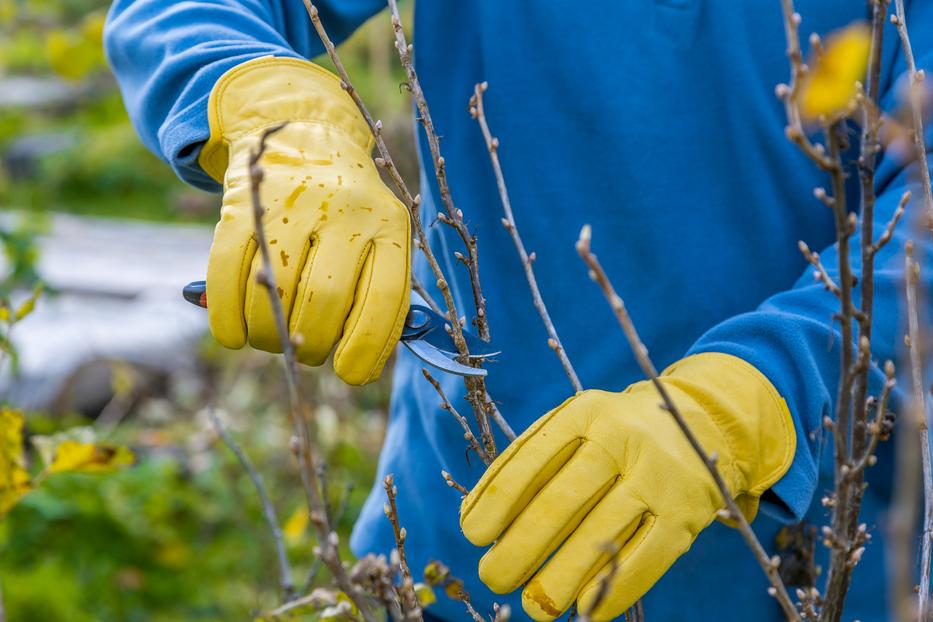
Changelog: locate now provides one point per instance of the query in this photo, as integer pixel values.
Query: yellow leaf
(830, 85)
(295, 526)
(72, 456)
(14, 479)
(4, 313)
(425, 594)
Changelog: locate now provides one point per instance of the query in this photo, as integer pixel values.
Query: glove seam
(508, 455)
(783, 416)
(399, 325)
(734, 472)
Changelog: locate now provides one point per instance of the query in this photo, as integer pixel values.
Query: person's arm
(203, 80)
(792, 337)
(167, 56)
(610, 475)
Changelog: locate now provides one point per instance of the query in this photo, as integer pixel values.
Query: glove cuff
(749, 413)
(266, 91)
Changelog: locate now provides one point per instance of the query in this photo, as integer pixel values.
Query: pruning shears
(424, 334)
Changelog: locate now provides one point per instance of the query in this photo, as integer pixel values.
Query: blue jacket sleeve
(792, 337)
(167, 55)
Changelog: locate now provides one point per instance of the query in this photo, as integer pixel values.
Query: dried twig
(420, 289)
(301, 446)
(335, 521)
(468, 435)
(453, 483)
(268, 510)
(492, 145)
(454, 217)
(768, 565)
(790, 93)
(407, 588)
(819, 272)
(854, 436)
(916, 348)
(476, 394)
(916, 107)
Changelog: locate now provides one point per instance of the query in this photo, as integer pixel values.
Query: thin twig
(407, 588)
(454, 217)
(492, 145)
(336, 517)
(302, 446)
(499, 420)
(468, 435)
(464, 598)
(916, 348)
(820, 273)
(888, 232)
(268, 510)
(454, 484)
(916, 107)
(789, 93)
(420, 289)
(476, 387)
(768, 565)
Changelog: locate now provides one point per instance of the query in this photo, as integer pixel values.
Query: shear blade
(434, 357)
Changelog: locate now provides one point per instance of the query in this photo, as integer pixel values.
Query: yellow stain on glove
(614, 469)
(830, 86)
(339, 238)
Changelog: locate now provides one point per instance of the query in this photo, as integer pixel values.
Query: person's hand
(608, 473)
(339, 238)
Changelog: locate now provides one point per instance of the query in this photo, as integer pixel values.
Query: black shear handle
(195, 292)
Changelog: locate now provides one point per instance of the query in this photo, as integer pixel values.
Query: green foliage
(180, 535)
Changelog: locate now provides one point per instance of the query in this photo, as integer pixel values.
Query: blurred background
(98, 349)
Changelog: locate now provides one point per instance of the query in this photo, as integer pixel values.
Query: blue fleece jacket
(656, 122)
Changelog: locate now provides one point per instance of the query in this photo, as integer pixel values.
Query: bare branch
(820, 273)
(454, 216)
(476, 387)
(916, 348)
(302, 447)
(449, 407)
(888, 232)
(789, 93)
(453, 483)
(492, 145)
(770, 568)
(268, 510)
(916, 106)
(418, 287)
(407, 588)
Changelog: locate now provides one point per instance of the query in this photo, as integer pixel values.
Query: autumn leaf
(75, 457)
(14, 479)
(830, 86)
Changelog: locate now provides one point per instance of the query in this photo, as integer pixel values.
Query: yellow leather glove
(613, 469)
(339, 238)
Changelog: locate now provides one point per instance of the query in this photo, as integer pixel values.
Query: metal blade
(434, 357)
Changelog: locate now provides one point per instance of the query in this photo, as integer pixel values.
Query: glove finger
(516, 476)
(228, 270)
(325, 294)
(612, 522)
(642, 561)
(288, 254)
(378, 314)
(551, 516)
